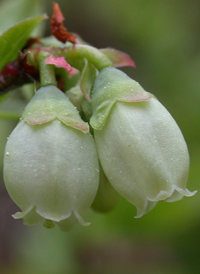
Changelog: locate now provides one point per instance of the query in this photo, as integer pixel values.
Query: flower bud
(141, 148)
(51, 167)
(106, 198)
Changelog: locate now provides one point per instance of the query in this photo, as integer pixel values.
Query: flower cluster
(89, 135)
(74, 151)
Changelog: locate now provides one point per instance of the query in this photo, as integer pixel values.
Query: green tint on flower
(141, 149)
(106, 198)
(51, 168)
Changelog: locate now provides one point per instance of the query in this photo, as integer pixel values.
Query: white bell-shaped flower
(51, 167)
(140, 146)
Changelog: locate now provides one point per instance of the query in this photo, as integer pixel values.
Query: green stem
(47, 72)
(76, 55)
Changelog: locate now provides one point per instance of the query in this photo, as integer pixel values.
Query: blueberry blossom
(51, 168)
(141, 149)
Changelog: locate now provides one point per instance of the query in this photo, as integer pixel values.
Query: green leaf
(87, 79)
(15, 38)
(12, 12)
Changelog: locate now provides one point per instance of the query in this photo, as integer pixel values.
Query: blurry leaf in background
(12, 12)
(13, 104)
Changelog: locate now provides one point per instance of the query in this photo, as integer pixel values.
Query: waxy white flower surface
(51, 168)
(140, 146)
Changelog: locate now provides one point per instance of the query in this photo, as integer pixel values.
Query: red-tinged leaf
(60, 62)
(119, 58)
(58, 13)
(57, 27)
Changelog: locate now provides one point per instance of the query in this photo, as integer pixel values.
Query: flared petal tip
(186, 192)
(175, 194)
(21, 215)
(32, 216)
(162, 195)
(148, 206)
(29, 216)
(80, 219)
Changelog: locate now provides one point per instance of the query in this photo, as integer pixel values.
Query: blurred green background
(163, 38)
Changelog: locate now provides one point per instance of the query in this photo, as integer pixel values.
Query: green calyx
(110, 86)
(48, 104)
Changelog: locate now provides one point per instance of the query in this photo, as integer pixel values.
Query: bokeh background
(163, 38)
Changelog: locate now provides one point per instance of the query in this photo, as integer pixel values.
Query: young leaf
(57, 27)
(87, 79)
(59, 62)
(15, 38)
(119, 58)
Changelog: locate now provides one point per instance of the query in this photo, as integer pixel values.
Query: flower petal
(52, 167)
(143, 153)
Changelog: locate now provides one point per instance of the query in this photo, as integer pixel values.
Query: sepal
(112, 85)
(118, 58)
(48, 104)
